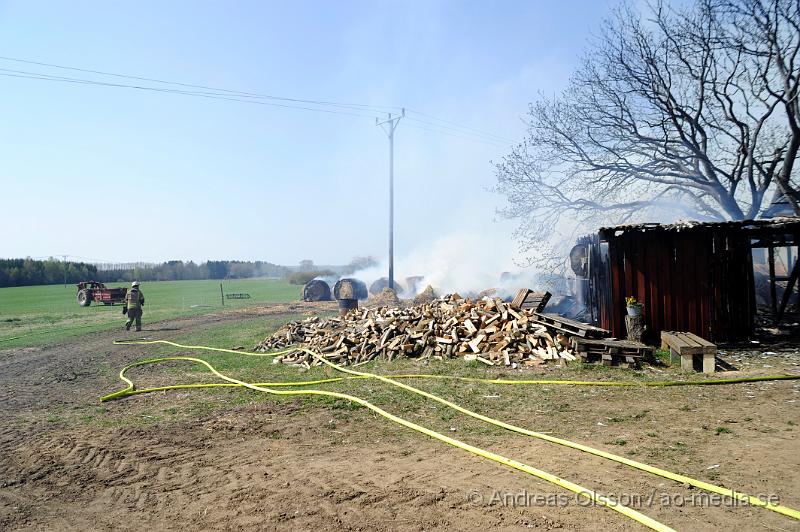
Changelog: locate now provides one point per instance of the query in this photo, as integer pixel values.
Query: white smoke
(465, 262)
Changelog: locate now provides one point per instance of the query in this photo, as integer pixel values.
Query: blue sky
(121, 175)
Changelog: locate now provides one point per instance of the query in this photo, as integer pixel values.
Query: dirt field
(289, 464)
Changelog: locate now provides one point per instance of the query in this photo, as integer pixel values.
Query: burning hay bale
(489, 331)
(316, 290)
(426, 296)
(382, 284)
(350, 289)
(386, 298)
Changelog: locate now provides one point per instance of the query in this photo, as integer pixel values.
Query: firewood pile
(489, 331)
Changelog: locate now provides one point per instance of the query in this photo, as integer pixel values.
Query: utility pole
(65, 271)
(388, 126)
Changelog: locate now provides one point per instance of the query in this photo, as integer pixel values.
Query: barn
(697, 277)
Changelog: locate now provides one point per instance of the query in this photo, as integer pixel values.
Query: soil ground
(69, 463)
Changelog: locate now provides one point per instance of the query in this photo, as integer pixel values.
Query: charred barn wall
(696, 278)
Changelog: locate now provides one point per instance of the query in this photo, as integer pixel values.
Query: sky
(114, 174)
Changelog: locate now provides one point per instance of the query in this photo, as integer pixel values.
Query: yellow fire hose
(130, 390)
(136, 391)
(658, 384)
(571, 486)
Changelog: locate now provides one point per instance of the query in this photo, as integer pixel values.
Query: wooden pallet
(608, 359)
(568, 326)
(527, 298)
(624, 348)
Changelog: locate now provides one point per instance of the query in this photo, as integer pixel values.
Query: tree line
(29, 272)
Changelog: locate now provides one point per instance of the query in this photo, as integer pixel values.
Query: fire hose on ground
(353, 374)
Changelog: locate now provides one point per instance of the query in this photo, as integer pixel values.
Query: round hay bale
(350, 288)
(578, 259)
(316, 290)
(378, 286)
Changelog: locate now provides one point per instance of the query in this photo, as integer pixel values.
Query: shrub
(304, 277)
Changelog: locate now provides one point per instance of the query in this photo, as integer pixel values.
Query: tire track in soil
(220, 480)
(228, 472)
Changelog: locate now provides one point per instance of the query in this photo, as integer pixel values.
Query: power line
(213, 96)
(452, 126)
(443, 130)
(204, 87)
(462, 134)
(472, 139)
(458, 127)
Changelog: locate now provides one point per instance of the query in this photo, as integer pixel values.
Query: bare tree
(689, 113)
(767, 35)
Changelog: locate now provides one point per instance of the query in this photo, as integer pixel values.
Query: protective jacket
(134, 299)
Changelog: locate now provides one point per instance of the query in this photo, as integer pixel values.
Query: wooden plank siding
(697, 279)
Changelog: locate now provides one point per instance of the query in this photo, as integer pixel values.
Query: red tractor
(89, 291)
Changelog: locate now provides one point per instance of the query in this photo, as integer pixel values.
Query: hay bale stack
(316, 290)
(386, 298)
(426, 296)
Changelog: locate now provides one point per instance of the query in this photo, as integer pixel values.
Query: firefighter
(134, 301)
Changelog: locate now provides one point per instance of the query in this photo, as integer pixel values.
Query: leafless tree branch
(673, 113)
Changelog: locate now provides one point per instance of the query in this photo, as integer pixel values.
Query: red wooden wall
(697, 280)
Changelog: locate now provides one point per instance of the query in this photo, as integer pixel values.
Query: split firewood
(487, 330)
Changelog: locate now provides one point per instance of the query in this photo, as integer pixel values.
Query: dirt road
(282, 465)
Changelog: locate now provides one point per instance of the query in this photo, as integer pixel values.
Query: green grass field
(191, 404)
(38, 315)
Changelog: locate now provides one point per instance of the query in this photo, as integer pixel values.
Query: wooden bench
(695, 353)
(237, 296)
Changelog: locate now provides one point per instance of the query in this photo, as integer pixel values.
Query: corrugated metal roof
(682, 225)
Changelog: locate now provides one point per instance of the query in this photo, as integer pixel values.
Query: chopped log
(476, 342)
(470, 326)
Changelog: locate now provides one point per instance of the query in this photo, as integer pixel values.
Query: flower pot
(635, 311)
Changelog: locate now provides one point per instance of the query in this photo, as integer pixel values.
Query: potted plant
(633, 306)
